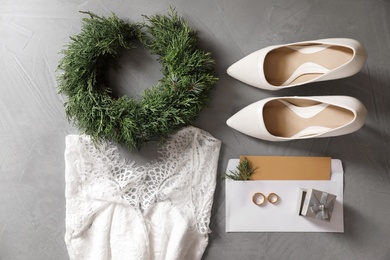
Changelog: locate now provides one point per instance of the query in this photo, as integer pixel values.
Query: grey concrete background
(33, 123)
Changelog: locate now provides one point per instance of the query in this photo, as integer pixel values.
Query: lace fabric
(161, 210)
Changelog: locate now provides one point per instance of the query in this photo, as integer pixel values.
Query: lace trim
(184, 175)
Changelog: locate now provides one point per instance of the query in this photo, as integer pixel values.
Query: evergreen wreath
(188, 76)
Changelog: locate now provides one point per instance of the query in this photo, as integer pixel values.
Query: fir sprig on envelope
(243, 171)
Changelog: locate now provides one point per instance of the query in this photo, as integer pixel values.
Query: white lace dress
(116, 210)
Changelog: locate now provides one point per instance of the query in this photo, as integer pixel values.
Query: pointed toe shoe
(289, 65)
(291, 118)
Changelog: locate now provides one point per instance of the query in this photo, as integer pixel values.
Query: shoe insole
(280, 120)
(281, 63)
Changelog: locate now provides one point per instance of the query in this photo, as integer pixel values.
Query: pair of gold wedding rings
(259, 198)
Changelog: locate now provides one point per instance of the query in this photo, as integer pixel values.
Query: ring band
(273, 198)
(258, 198)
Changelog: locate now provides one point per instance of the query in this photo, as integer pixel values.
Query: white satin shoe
(294, 64)
(290, 118)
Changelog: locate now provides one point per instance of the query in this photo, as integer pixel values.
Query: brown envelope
(289, 167)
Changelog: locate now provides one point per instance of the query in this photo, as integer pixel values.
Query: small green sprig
(243, 172)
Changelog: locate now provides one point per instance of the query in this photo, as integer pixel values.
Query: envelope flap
(290, 167)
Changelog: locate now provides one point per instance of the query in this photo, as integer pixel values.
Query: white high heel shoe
(294, 64)
(290, 118)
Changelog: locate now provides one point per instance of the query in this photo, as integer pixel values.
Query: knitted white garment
(116, 210)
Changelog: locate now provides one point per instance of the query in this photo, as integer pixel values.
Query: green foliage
(243, 172)
(163, 109)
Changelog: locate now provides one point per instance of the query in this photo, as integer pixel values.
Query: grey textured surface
(33, 124)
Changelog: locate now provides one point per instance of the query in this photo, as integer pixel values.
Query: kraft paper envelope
(289, 167)
(242, 215)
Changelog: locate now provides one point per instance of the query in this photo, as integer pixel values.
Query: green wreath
(163, 109)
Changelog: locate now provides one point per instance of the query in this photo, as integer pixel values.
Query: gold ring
(258, 198)
(273, 198)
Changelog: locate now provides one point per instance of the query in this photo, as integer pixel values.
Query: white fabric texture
(118, 210)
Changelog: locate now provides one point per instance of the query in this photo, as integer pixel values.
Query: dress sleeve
(206, 154)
